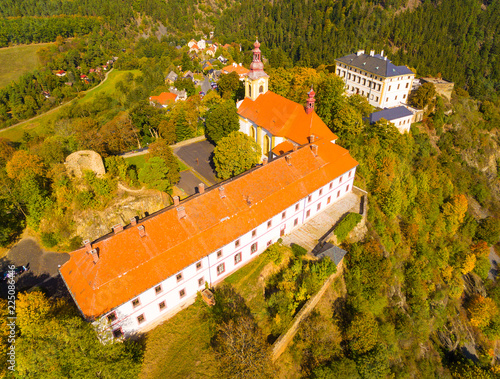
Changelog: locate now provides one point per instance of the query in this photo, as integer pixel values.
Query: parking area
(198, 156)
(189, 182)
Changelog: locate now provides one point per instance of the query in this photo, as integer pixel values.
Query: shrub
(298, 250)
(346, 225)
(49, 239)
(275, 253)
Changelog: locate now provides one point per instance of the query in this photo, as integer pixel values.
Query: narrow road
(56, 108)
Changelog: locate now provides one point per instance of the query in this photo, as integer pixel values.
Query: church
(277, 124)
(148, 270)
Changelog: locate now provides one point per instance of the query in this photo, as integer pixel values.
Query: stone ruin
(80, 161)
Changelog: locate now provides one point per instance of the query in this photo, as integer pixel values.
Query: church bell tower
(257, 80)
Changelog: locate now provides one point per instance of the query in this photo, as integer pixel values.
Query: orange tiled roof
(240, 70)
(284, 118)
(283, 148)
(129, 264)
(164, 98)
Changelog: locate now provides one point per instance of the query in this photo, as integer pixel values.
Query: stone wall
(82, 160)
(443, 87)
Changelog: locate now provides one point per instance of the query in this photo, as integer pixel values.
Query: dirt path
(56, 108)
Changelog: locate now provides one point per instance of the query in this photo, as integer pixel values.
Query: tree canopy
(221, 121)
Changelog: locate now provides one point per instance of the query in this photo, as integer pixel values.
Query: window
(236, 243)
(221, 268)
(389, 88)
(269, 224)
(297, 206)
(283, 215)
(179, 277)
(329, 199)
(398, 85)
(112, 317)
(295, 222)
(404, 96)
(162, 306)
(182, 293)
(219, 254)
(282, 231)
(318, 207)
(407, 84)
(254, 232)
(350, 172)
(331, 185)
(395, 97)
(198, 265)
(117, 333)
(253, 248)
(347, 188)
(136, 303)
(261, 89)
(237, 258)
(340, 180)
(141, 318)
(309, 198)
(201, 282)
(321, 192)
(267, 144)
(158, 289)
(308, 213)
(269, 243)
(338, 193)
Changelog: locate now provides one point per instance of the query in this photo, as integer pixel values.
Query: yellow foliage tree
(32, 308)
(481, 311)
(469, 264)
(454, 212)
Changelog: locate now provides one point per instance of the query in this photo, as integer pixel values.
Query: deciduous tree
(221, 121)
(155, 174)
(235, 154)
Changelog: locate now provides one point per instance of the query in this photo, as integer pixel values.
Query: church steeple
(310, 101)
(256, 82)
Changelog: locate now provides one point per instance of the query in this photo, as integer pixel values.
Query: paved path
(189, 182)
(494, 262)
(309, 234)
(43, 265)
(198, 157)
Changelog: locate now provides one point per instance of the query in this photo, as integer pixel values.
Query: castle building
(275, 123)
(150, 269)
(384, 84)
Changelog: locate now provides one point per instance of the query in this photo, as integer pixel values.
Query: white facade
(403, 123)
(171, 295)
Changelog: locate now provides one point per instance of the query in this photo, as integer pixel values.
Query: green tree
(228, 85)
(185, 84)
(221, 121)
(235, 154)
(162, 150)
(155, 174)
(424, 95)
(489, 230)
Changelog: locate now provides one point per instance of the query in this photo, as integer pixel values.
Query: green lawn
(43, 124)
(138, 161)
(17, 60)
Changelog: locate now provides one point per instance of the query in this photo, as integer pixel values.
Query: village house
(171, 78)
(238, 68)
(163, 100)
(61, 73)
(373, 76)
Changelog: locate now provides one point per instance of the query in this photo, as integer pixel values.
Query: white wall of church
(224, 261)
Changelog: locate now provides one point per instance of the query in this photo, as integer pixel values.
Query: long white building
(384, 84)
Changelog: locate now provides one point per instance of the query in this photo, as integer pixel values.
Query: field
(17, 60)
(42, 124)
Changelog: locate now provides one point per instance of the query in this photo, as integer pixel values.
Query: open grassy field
(42, 125)
(138, 161)
(17, 60)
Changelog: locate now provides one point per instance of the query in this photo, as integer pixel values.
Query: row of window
(366, 73)
(395, 98)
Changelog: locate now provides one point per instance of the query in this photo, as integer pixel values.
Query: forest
(417, 298)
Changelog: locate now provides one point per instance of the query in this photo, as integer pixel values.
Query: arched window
(267, 144)
(261, 89)
(250, 91)
(252, 132)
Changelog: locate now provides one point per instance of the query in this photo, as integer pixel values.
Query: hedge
(346, 225)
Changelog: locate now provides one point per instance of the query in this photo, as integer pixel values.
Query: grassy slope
(42, 125)
(17, 60)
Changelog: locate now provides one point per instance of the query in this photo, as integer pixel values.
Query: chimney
(385, 58)
(117, 228)
(181, 212)
(88, 245)
(295, 147)
(382, 53)
(314, 149)
(133, 221)
(142, 231)
(311, 138)
(372, 53)
(176, 200)
(264, 161)
(201, 188)
(95, 256)
(222, 192)
(360, 52)
(288, 159)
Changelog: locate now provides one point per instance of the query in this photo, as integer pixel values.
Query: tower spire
(310, 101)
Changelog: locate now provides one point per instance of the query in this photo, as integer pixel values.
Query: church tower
(257, 80)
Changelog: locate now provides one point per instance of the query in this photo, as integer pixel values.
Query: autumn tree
(228, 85)
(6, 150)
(454, 212)
(481, 311)
(424, 95)
(161, 149)
(119, 134)
(221, 121)
(362, 333)
(235, 154)
(489, 230)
